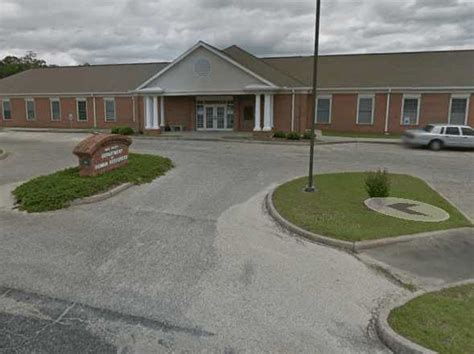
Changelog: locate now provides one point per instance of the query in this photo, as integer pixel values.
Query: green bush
(122, 130)
(279, 135)
(307, 135)
(377, 184)
(293, 136)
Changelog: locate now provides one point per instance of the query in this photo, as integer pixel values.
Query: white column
(148, 112)
(155, 113)
(267, 118)
(162, 111)
(272, 116)
(257, 113)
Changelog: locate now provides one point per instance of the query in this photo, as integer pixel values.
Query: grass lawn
(441, 321)
(361, 135)
(337, 210)
(57, 190)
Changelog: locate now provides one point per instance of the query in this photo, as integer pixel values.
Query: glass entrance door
(215, 117)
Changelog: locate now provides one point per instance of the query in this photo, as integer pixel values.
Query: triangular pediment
(204, 69)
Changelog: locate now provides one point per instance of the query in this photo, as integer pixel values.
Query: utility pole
(311, 185)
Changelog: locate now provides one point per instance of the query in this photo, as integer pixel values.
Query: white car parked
(438, 136)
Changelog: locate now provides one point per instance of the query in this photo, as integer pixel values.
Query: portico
(205, 90)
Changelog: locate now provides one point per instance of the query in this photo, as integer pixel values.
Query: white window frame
(34, 109)
(329, 97)
(51, 100)
(110, 99)
(81, 99)
(5, 99)
(372, 97)
(412, 97)
(459, 96)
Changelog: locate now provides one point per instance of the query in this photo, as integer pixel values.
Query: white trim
(34, 109)
(267, 115)
(387, 111)
(368, 96)
(258, 115)
(114, 119)
(129, 93)
(51, 100)
(329, 97)
(467, 97)
(293, 96)
(162, 112)
(412, 97)
(6, 99)
(212, 50)
(81, 99)
(155, 124)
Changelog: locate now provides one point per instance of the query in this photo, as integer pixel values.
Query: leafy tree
(11, 65)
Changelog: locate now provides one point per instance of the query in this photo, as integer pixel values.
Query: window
(365, 110)
(55, 109)
(323, 115)
(30, 109)
(6, 109)
(109, 110)
(452, 131)
(458, 110)
(410, 110)
(467, 131)
(81, 109)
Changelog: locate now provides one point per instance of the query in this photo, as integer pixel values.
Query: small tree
(377, 184)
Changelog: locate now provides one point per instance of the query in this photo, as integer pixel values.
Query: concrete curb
(100, 197)
(355, 246)
(265, 142)
(392, 339)
(3, 154)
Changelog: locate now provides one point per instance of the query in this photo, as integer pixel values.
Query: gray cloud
(113, 31)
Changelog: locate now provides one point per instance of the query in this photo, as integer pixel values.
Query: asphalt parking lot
(194, 259)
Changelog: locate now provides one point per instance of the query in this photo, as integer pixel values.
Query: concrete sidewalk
(226, 136)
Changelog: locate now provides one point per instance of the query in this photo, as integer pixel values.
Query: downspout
(387, 113)
(95, 111)
(293, 110)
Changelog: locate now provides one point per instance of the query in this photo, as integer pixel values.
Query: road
(192, 261)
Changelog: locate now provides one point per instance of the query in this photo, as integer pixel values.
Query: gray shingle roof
(422, 69)
(80, 79)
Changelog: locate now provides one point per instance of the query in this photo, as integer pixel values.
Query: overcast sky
(116, 31)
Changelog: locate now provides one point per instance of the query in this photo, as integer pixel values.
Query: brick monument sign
(101, 153)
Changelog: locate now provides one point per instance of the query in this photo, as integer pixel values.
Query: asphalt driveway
(195, 252)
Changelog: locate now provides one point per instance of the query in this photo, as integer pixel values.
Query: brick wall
(470, 117)
(123, 107)
(181, 111)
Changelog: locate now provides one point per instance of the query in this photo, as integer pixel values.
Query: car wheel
(436, 145)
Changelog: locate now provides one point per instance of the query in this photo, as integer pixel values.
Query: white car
(438, 136)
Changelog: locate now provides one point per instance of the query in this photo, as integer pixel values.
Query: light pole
(311, 185)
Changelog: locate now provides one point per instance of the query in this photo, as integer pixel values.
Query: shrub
(377, 184)
(307, 135)
(122, 130)
(280, 135)
(293, 136)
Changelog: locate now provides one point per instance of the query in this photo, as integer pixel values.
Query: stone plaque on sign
(101, 153)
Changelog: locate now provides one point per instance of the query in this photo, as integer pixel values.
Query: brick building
(211, 89)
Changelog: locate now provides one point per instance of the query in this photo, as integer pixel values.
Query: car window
(442, 130)
(428, 128)
(452, 131)
(467, 131)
